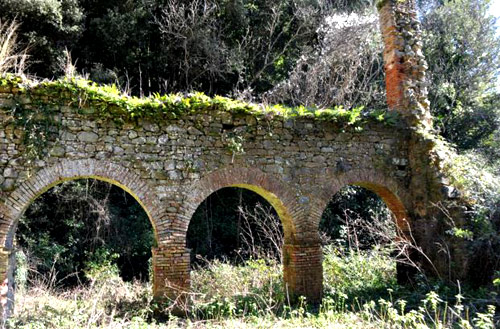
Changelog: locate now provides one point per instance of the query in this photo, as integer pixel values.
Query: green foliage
(470, 174)
(101, 265)
(21, 274)
(168, 45)
(47, 27)
(256, 288)
(77, 224)
(38, 128)
(496, 281)
(111, 103)
(255, 299)
(471, 179)
(358, 275)
(235, 145)
(462, 48)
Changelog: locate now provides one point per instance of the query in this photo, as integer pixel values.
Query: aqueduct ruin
(172, 163)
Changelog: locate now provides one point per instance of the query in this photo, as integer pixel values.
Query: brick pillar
(303, 271)
(170, 271)
(404, 62)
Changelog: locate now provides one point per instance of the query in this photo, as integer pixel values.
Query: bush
(255, 288)
(358, 274)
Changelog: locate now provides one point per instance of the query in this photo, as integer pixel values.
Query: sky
(495, 6)
(495, 10)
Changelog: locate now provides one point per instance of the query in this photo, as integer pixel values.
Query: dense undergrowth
(360, 292)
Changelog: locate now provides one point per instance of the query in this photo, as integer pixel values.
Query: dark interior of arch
(81, 222)
(234, 224)
(357, 217)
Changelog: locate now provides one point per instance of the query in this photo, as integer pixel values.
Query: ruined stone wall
(404, 62)
(171, 166)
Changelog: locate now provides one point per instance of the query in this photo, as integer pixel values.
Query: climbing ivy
(38, 127)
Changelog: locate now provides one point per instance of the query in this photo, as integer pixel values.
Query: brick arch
(391, 192)
(276, 192)
(26, 192)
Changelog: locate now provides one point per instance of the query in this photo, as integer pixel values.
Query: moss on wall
(109, 102)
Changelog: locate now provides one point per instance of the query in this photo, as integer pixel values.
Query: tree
(120, 44)
(242, 47)
(47, 27)
(462, 49)
(344, 68)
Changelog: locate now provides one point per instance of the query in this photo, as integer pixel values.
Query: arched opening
(235, 237)
(234, 224)
(363, 232)
(80, 234)
(356, 218)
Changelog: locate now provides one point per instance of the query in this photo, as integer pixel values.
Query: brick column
(170, 271)
(404, 62)
(303, 271)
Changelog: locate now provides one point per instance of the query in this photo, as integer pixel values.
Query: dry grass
(106, 302)
(13, 57)
(246, 296)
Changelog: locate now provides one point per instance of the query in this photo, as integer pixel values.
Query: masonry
(172, 163)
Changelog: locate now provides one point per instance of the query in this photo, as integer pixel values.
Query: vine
(38, 126)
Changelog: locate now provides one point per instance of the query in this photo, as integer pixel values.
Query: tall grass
(360, 292)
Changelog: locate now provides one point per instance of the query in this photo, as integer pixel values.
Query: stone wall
(171, 166)
(435, 201)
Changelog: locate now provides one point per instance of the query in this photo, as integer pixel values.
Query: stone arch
(392, 193)
(44, 179)
(26, 192)
(389, 190)
(302, 269)
(277, 193)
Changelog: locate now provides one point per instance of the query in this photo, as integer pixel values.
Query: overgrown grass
(360, 292)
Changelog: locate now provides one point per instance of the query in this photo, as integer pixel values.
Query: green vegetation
(218, 46)
(472, 178)
(462, 47)
(109, 102)
(253, 52)
(80, 222)
(364, 296)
